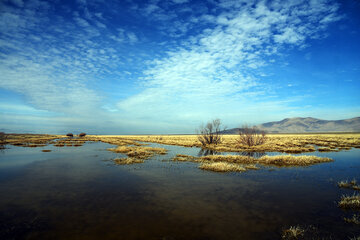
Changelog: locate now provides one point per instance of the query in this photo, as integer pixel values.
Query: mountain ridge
(306, 125)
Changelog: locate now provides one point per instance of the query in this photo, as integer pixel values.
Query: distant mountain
(303, 125)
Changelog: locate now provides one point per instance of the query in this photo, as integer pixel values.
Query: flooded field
(80, 193)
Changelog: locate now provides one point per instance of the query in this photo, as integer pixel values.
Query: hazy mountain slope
(300, 125)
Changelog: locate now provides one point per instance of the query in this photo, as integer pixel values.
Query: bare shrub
(3, 137)
(210, 133)
(70, 135)
(82, 134)
(251, 136)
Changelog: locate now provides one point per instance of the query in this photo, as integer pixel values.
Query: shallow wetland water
(79, 193)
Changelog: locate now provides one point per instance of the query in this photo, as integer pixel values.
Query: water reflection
(252, 154)
(206, 152)
(70, 193)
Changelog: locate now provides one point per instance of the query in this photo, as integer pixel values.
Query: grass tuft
(293, 233)
(290, 160)
(351, 185)
(222, 167)
(127, 161)
(185, 158)
(355, 219)
(350, 202)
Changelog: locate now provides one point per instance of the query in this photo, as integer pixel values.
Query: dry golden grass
(293, 233)
(352, 184)
(229, 158)
(138, 152)
(350, 202)
(222, 167)
(30, 140)
(287, 143)
(355, 219)
(127, 161)
(279, 160)
(290, 160)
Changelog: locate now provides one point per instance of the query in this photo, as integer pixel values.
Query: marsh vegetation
(279, 160)
(284, 143)
(159, 185)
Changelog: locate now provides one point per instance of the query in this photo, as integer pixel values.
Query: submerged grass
(350, 202)
(351, 185)
(136, 154)
(355, 219)
(294, 232)
(127, 161)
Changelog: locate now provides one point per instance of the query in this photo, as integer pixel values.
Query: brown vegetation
(30, 140)
(286, 143)
(279, 160)
(222, 167)
(355, 219)
(352, 184)
(293, 233)
(210, 133)
(127, 161)
(350, 202)
(251, 136)
(136, 152)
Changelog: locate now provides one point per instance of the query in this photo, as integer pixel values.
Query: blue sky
(123, 67)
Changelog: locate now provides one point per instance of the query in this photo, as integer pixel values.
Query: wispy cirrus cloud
(221, 66)
(148, 66)
(55, 61)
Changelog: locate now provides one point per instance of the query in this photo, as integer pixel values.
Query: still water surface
(78, 193)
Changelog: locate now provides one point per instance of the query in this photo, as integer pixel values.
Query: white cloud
(212, 72)
(60, 67)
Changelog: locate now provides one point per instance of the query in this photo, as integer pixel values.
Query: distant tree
(3, 138)
(210, 133)
(251, 136)
(70, 135)
(82, 134)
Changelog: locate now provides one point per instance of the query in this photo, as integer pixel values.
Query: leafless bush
(70, 135)
(210, 133)
(82, 134)
(3, 137)
(251, 136)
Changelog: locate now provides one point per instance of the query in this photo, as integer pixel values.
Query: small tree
(70, 135)
(210, 133)
(251, 136)
(82, 134)
(3, 138)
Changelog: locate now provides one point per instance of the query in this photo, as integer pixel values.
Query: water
(78, 193)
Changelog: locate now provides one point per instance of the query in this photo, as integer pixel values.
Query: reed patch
(222, 167)
(350, 202)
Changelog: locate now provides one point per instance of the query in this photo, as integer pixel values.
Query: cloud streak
(141, 65)
(221, 65)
